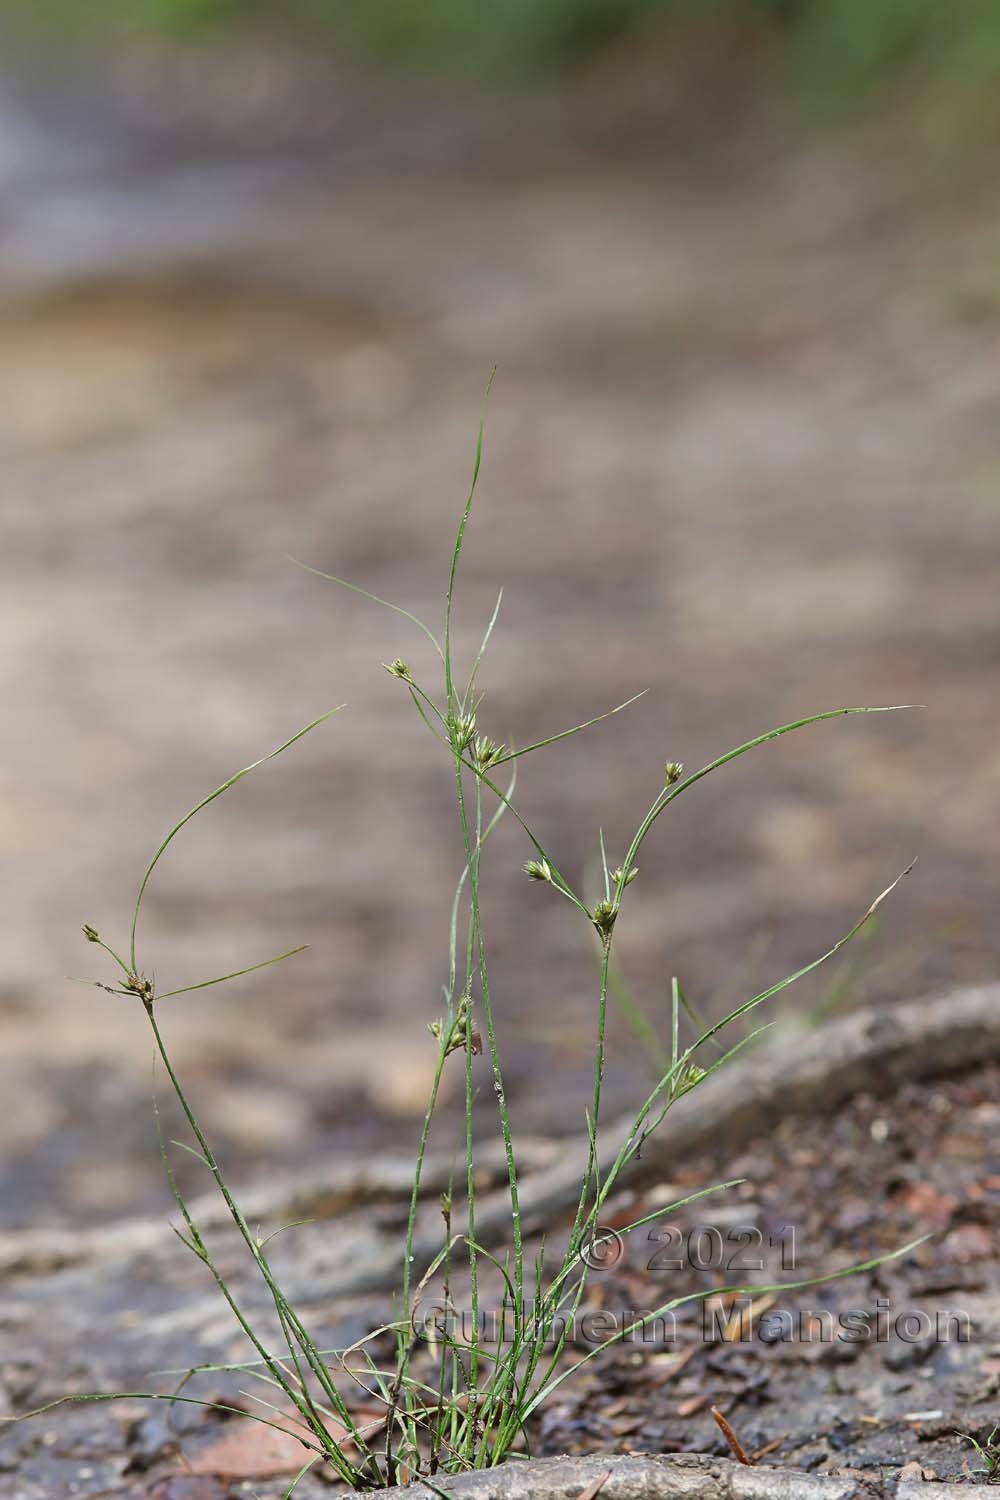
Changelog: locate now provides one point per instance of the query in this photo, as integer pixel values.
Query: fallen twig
(736, 1447)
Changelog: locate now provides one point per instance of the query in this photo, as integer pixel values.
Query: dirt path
(742, 450)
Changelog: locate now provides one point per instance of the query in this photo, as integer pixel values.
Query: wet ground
(742, 450)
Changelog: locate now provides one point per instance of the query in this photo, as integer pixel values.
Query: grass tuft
(452, 1401)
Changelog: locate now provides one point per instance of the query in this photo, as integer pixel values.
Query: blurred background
(739, 266)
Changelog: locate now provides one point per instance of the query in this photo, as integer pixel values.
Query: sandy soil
(742, 450)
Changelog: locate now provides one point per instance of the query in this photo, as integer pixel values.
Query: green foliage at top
(933, 66)
(839, 51)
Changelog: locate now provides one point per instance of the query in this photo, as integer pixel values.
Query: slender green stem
(416, 691)
(95, 1396)
(197, 1246)
(425, 1130)
(108, 949)
(602, 1018)
(456, 554)
(472, 857)
(405, 1337)
(197, 809)
(309, 1348)
(467, 696)
(558, 880)
(470, 1148)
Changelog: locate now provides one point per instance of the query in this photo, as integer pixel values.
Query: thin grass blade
(204, 984)
(790, 979)
(300, 734)
(565, 733)
(470, 690)
(355, 588)
(726, 1291)
(668, 795)
(457, 550)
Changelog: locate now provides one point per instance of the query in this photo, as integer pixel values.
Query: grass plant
(452, 1401)
(989, 1452)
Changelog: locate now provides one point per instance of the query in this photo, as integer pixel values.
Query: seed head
(91, 933)
(616, 875)
(463, 729)
(537, 869)
(672, 771)
(398, 668)
(139, 985)
(455, 1033)
(486, 752)
(604, 916)
(690, 1078)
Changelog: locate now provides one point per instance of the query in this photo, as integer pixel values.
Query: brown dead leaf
(664, 1367)
(595, 1487)
(185, 1487)
(249, 1450)
(624, 1426)
(925, 1201)
(739, 1327)
(253, 1450)
(913, 1470)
